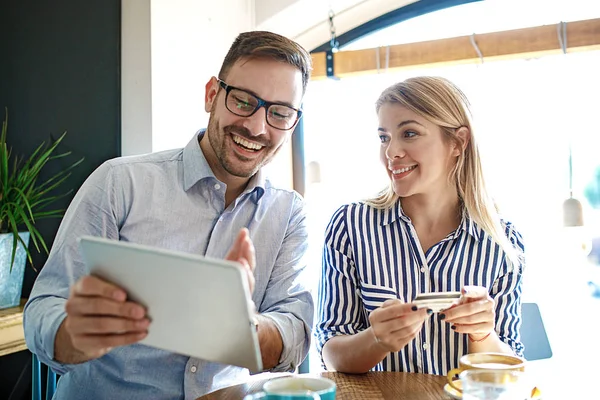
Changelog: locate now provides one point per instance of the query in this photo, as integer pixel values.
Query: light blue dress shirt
(172, 200)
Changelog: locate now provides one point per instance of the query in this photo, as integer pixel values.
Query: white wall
(265, 9)
(136, 76)
(171, 48)
(189, 41)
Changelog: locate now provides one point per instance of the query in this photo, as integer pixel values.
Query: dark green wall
(59, 71)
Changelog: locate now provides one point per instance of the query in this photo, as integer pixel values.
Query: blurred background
(127, 77)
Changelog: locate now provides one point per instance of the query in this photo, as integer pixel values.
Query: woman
(434, 229)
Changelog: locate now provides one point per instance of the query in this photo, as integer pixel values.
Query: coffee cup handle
(451, 374)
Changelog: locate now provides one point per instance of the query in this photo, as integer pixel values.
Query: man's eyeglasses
(244, 104)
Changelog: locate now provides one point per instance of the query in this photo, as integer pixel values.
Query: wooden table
(372, 385)
(12, 337)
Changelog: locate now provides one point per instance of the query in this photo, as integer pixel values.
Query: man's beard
(217, 137)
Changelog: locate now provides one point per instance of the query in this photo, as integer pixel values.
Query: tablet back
(198, 306)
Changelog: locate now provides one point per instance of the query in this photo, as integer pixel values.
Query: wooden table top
(12, 337)
(372, 385)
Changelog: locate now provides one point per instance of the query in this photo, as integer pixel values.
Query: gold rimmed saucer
(536, 394)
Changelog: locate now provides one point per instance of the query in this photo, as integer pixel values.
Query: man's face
(240, 146)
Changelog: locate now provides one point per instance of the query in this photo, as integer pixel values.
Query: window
(526, 113)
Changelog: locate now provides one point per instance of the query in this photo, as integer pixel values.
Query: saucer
(455, 394)
(450, 391)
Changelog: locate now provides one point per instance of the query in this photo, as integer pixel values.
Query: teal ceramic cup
(296, 388)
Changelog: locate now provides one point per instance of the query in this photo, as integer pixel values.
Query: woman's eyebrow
(401, 124)
(410, 121)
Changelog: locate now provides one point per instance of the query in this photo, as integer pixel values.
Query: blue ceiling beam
(393, 17)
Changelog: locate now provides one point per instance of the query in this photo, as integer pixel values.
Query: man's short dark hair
(268, 45)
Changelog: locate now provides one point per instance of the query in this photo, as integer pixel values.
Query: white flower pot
(11, 282)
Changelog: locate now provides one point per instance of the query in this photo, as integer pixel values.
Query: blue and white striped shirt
(371, 255)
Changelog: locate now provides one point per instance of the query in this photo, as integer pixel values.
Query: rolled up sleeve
(47, 314)
(90, 213)
(287, 301)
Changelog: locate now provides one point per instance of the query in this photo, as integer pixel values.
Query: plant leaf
(24, 200)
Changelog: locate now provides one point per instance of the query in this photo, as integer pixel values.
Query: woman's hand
(474, 314)
(395, 324)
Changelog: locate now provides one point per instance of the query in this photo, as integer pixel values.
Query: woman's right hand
(395, 324)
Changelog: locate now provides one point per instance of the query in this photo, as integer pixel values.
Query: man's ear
(464, 136)
(210, 93)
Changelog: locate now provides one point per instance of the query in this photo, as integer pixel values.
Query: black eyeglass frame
(261, 103)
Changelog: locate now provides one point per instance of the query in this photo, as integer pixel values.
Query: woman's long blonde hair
(439, 101)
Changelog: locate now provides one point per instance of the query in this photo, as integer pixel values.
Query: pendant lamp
(572, 209)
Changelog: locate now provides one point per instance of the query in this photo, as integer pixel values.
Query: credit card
(437, 301)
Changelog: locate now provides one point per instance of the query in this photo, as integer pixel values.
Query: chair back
(533, 333)
(51, 378)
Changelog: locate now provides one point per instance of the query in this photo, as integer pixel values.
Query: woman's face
(417, 157)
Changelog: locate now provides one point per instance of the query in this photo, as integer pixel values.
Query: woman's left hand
(474, 314)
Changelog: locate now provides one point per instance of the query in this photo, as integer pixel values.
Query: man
(209, 198)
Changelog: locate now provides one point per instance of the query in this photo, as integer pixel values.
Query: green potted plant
(24, 200)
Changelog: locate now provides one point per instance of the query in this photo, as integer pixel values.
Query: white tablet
(198, 306)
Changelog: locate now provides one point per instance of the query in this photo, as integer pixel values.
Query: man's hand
(98, 319)
(243, 252)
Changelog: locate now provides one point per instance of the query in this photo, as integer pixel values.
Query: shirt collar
(393, 213)
(467, 224)
(257, 184)
(196, 168)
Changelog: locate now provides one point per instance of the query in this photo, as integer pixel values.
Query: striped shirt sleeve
(340, 305)
(506, 291)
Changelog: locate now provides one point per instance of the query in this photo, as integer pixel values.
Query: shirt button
(425, 346)
(217, 186)
(193, 369)
(422, 269)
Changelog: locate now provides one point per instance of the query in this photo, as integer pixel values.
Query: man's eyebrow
(401, 124)
(253, 93)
